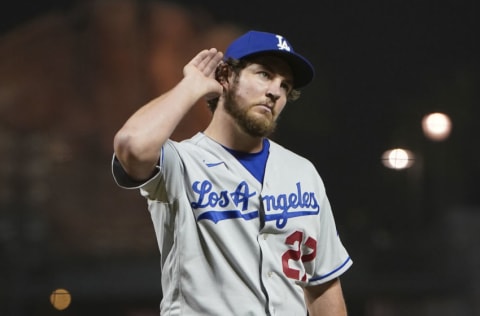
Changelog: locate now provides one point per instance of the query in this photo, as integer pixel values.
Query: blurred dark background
(71, 72)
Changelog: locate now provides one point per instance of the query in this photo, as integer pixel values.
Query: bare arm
(137, 144)
(326, 299)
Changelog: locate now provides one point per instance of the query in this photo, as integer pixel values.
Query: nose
(274, 90)
(273, 97)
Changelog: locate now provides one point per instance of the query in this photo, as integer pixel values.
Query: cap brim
(302, 70)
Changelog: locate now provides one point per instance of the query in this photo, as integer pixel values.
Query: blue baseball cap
(255, 42)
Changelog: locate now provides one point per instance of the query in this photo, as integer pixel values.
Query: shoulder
(280, 152)
(196, 142)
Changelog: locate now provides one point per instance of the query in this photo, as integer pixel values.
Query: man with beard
(244, 226)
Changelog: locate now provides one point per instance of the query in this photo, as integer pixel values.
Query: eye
(264, 74)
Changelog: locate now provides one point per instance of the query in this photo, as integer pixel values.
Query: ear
(222, 73)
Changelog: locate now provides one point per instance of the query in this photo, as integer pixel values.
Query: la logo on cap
(282, 43)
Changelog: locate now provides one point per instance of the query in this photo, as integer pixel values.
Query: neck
(224, 130)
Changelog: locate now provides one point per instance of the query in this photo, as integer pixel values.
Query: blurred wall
(68, 81)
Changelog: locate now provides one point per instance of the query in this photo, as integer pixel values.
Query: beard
(253, 125)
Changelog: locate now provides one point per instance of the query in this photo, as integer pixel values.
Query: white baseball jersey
(231, 245)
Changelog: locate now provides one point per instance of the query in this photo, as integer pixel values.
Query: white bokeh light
(397, 158)
(436, 126)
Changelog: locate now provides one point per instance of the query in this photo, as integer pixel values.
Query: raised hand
(201, 70)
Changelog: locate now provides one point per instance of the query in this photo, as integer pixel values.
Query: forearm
(137, 144)
(326, 300)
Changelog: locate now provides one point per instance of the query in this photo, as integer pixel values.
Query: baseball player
(244, 226)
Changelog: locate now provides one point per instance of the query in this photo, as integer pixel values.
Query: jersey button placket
(266, 272)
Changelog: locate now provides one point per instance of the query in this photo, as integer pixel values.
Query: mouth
(266, 107)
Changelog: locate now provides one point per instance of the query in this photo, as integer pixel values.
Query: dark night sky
(374, 50)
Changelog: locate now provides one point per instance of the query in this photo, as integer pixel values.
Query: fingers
(207, 60)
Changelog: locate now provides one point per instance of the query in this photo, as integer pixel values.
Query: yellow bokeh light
(60, 299)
